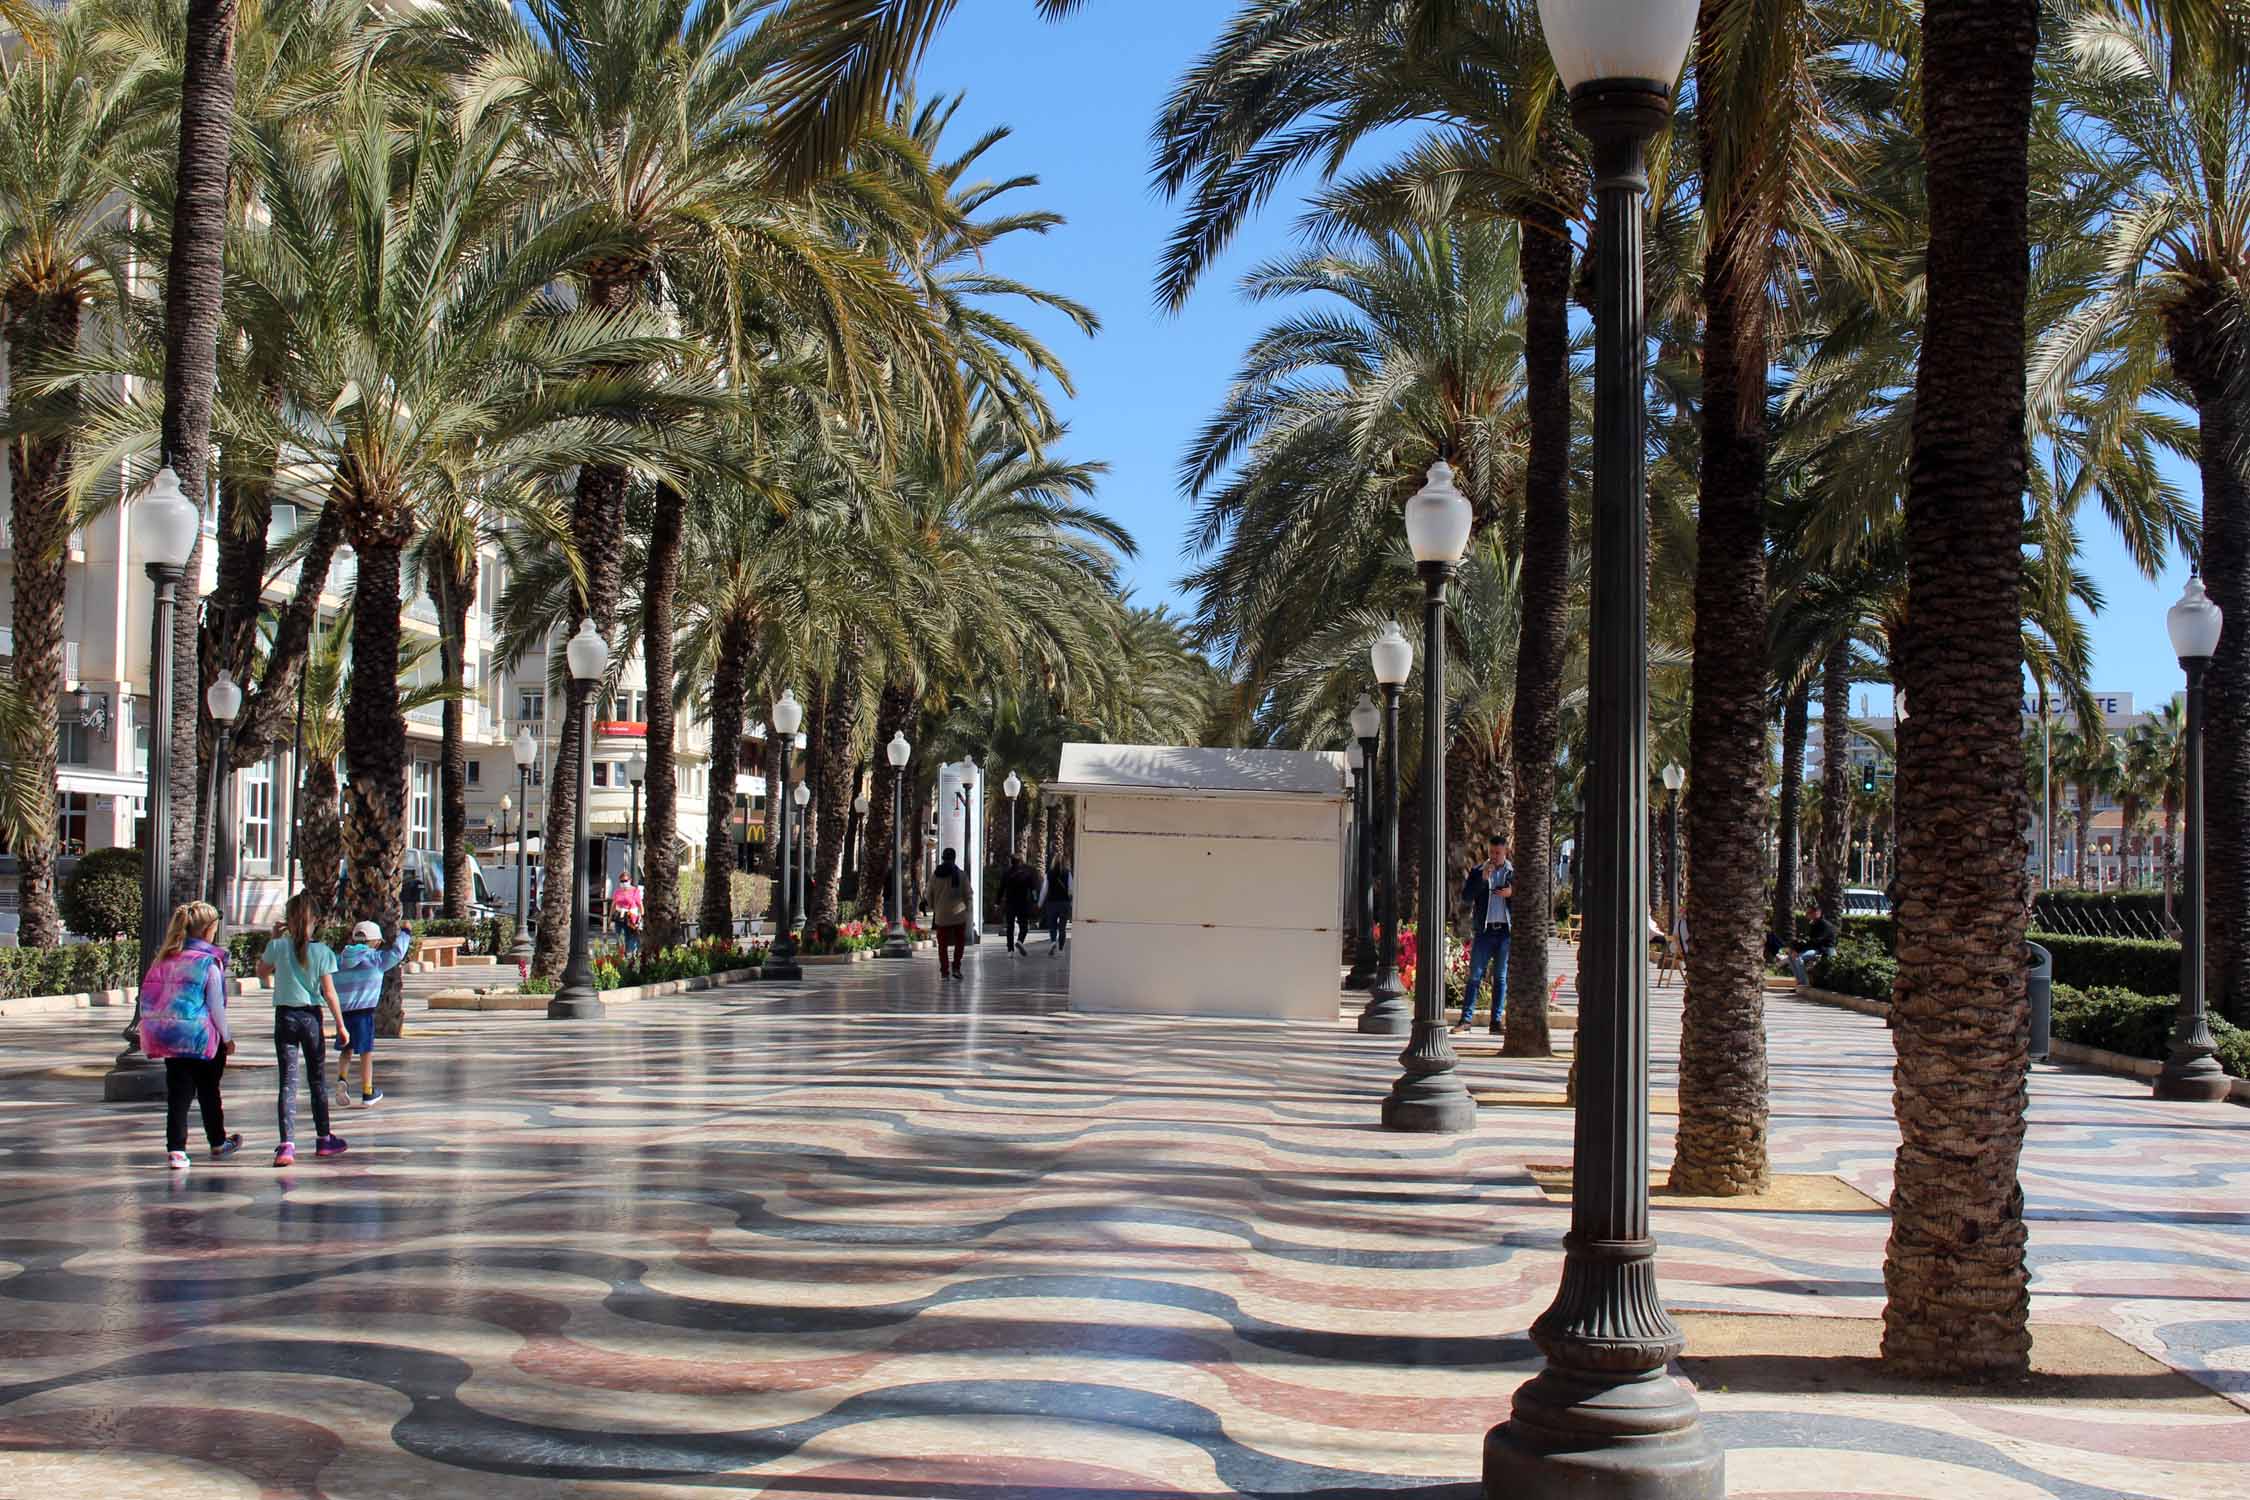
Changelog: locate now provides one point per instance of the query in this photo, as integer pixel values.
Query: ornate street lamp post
(1386, 1012)
(636, 772)
(577, 1000)
(1429, 1095)
(1603, 1416)
(222, 700)
(1674, 779)
(526, 752)
(164, 525)
(1367, 723)
(1013, 786)
(800, 796)
(781, 959)
(896, 944)
(2191, 1070)
(1355, 865)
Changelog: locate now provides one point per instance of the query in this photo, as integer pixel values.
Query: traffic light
(1867, 778)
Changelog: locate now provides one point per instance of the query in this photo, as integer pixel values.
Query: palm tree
(1835, 774)
(2158, 118)
(66, 110)
(1955, 1268)
(2086, 761)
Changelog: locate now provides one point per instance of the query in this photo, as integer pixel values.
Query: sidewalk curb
(44, 1005)
(2074, 1054)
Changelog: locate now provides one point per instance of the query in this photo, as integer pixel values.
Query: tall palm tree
(1955, 1269)
(2086, 761)
(2159, 119)
(1835, 774)
(67, 109)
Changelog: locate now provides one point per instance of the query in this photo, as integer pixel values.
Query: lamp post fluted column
(1604, 1416)
(1386, 1012)
(1366, 723)
(781, 959)
(896, 944)
(578, 1000)
(2191, 1068)
(520, 950)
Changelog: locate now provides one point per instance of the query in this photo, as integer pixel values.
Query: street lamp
(222, 700)
(588, 658)
(781, 959)
(1603, 1416)
(1674, 779)
(636, 772)
(1367, 723)
(856, 846)
(2191, 1070)
(1386, 1012)
(164, 524)
(895, 942)
(1013, 786)
(801, 795)
(1428, 1095)
(526, 753)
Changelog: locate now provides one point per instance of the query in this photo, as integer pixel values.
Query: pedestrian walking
(303, 972)
(359, 989)
(626, 901)
(1019, 899)
(1487, 893)
(184, 1024)
(949, 912)
(1054, 906)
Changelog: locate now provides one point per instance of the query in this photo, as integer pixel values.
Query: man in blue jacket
(1486, 894)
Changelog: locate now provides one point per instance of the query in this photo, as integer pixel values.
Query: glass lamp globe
(525, 749)
(1674, 777)
(164, 522)
(800, 794)
(636, 769)
(788, 713)
(1367, 719)
(1013, 786)
(2194, 622)
(1392, 656)
(1438, 518)
(507, 804)
(898, 751)
(1355, 757)
(587, 653)
(1618, 41)
(223, 697)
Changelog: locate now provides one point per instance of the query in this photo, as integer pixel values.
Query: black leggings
(298, 1032)
(195, 1078)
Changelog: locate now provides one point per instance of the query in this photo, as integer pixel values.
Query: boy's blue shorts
(359, 1031)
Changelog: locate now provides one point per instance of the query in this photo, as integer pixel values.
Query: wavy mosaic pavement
(864, 1239)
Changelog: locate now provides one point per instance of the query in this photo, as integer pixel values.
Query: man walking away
(1486, 893)
(1019, 898)
(359, 989)
(949, 913)
(1054, 907)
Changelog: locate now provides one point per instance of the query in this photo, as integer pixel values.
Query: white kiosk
(960, 822)
(1209, 882)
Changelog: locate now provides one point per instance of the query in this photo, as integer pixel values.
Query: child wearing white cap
(359, 989)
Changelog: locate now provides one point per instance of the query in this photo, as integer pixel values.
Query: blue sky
(1080, 96)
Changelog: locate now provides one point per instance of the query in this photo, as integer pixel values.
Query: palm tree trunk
(838, 727)
(1954, 1269)
(451, 590)
(1541, 647)
(269, 712)
(193, 285)
(2082, 857)
(729, 690)
(2213, 351)
(320, 834)
(1835, 776)
(1722, 1131)
(375, 748)
(40, 328)
(891, 714)
(660, 842)
(229, 638)
(1796, 714)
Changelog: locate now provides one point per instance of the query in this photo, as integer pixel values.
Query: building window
(601, 773)
(531, 704)
(476, 767)
(257, 813)
(73, 820)
(421, 806)
(73, 744)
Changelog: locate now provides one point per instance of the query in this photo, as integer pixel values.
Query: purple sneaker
(330, 1145)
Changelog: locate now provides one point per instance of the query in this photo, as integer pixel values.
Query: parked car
(1865, 901)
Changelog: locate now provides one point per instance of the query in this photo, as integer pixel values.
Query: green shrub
(1856, 967)
(102, 898)
(537, 984)
(2234, 1047)
(1880, 932)
(2138, 1025)
(2148, 968)
(69, 968)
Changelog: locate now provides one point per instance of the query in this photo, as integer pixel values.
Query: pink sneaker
(285, 1155)
(330, 1145)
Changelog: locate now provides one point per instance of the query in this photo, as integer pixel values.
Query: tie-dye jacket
(184, 1003)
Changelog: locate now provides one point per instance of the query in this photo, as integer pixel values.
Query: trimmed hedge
(2087, 963)
(2118, 1020)
(1857, 967)
(70, 969)
(102, 898)
(1882, 932)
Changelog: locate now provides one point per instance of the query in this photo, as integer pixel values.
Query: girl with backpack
(184, 1025)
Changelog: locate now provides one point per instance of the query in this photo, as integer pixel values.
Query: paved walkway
(875, 1237)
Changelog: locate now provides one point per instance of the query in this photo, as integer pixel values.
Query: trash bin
(2040, 991)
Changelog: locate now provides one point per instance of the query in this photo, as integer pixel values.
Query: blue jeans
(1490, 947)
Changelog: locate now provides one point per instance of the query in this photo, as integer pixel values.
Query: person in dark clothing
(1019, 899)
(1486, 894)
(949, 913)
(1054, 907)
(1820, 941)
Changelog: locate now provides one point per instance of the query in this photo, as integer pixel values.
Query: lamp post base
(1386, 1013)
(781, 966)
(131, 1079)
(896, 944)
(1362, 977)
(2195, 1079)
(1430, 1104)
(1631, 1437)
(576, 1004)
(520, 953)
